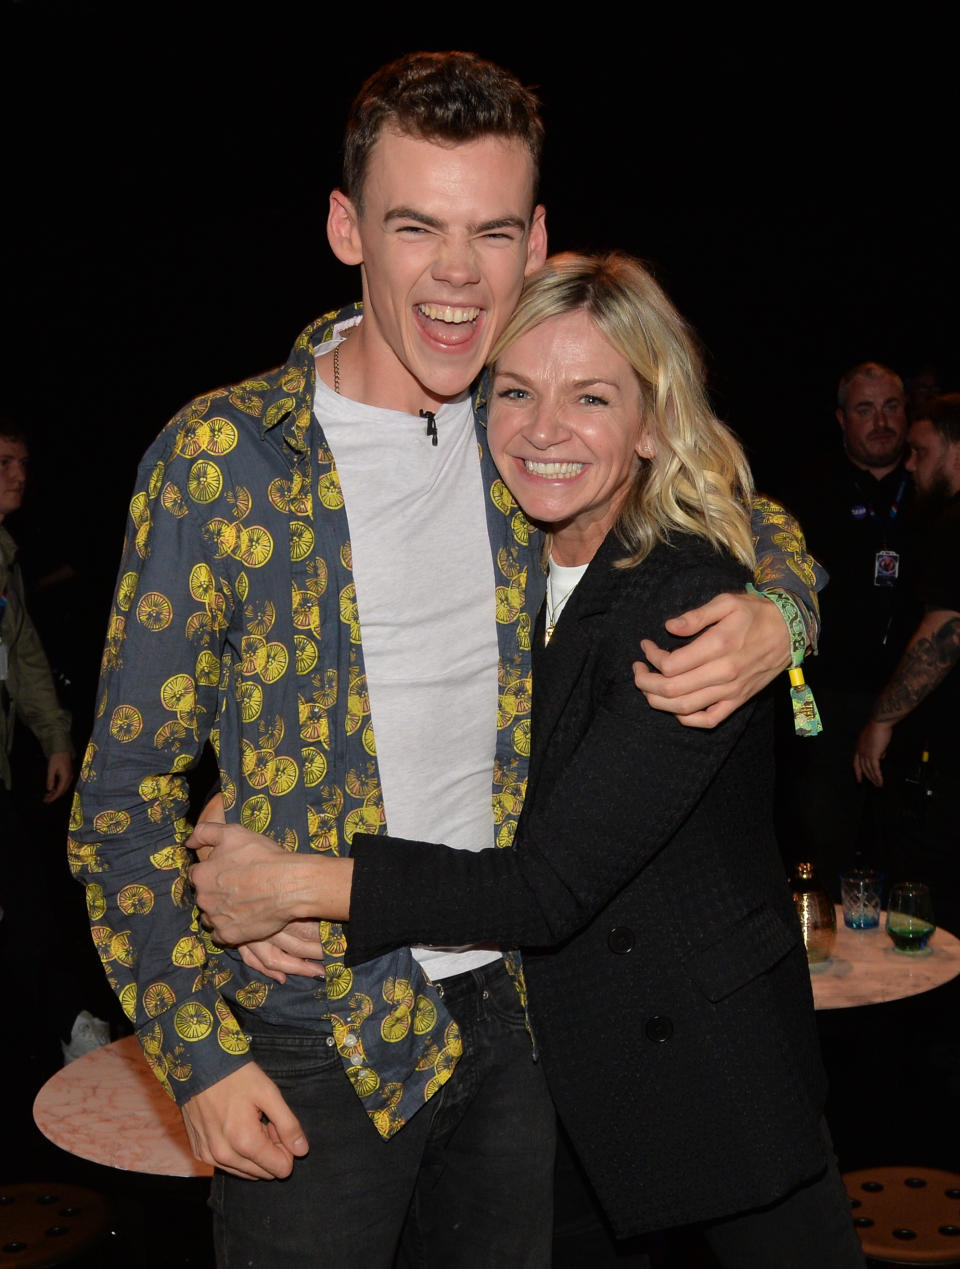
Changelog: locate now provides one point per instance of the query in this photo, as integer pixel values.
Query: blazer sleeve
(631, 781)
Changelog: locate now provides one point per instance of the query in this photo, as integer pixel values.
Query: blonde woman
(667, 983)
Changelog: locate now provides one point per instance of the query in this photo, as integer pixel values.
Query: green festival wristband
(806, 716)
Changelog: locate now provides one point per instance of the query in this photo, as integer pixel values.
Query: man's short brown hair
(447, 97)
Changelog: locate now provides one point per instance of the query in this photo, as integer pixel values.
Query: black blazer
(668, 985)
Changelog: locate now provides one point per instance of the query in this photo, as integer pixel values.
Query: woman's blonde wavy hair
(698, 480)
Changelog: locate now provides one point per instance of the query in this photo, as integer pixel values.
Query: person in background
(26, 685)
(921, 700)
(855, 506)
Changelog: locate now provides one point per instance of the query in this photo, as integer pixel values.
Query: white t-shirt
(425, 595)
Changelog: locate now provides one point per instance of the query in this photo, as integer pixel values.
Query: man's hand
(872, 745)
(247, 886)
(59, 775)
(242, 1125)
(296, 949)
(743, 646)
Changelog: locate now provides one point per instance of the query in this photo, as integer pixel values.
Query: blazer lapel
(558, 667)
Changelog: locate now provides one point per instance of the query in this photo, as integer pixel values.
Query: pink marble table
(865, 970)
(107, 1106)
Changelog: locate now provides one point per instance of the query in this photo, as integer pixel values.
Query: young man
(248, 611)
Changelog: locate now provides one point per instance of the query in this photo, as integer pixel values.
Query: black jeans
(467, 1182)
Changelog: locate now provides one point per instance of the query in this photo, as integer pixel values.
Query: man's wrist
(806, 716)
(796, 617)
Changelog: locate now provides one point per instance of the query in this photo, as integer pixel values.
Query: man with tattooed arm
(928, 667)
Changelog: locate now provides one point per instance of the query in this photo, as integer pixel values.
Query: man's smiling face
(445, 238)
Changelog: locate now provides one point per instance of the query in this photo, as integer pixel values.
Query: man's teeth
(447, 313)
(555, 471)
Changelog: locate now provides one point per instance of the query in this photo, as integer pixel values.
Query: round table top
(109, 1107)
(865, 970)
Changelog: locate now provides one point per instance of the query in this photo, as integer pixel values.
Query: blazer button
(621, 940)
(659, 1030)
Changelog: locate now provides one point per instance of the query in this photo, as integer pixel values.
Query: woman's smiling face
(566, 429)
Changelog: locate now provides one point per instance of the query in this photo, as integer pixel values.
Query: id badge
(886, 568)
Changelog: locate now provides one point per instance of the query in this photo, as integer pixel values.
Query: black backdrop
(168, 171)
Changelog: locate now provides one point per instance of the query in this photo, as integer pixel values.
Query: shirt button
(621, 940)
(330, 1041)
(659, 1030)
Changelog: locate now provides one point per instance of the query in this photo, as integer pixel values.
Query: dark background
(791, 187)
(168, 172)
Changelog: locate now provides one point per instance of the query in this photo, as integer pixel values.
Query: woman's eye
(590, 398)
(513, 394)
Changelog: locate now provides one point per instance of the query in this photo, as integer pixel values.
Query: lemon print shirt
(235, 619)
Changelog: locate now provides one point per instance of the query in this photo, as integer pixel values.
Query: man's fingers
(59, 776)
(227, 1126)
(288, 1130)
(707, 655)
(874, 773)
(219, 1153)
(866, 767)
(700, 710)
(697, 619)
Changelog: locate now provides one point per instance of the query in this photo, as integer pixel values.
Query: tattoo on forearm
(923, 667)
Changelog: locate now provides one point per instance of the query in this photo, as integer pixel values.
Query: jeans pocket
(502, 1001)
(289, 1056)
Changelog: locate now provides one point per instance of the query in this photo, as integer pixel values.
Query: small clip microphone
(431, 423)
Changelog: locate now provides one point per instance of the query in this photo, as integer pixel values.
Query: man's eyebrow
(434, 222)
(410, 213)
(501, 222)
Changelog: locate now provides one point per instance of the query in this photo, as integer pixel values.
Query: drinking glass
(860, 891)
(910, 921)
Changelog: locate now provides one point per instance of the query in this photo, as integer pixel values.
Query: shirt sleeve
(631, 782)
(158, 704)
(783, 561)
(34, 692)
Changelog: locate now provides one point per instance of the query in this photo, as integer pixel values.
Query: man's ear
(343, 229)
(536, 241)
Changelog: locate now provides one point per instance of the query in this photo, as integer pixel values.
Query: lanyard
(894, 506)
